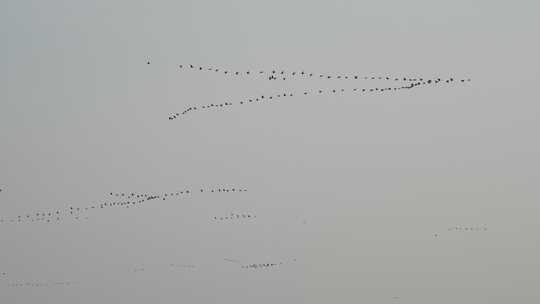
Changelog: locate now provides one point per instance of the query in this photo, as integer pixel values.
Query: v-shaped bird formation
(275, 74)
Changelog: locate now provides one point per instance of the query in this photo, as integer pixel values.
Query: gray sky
(353, 194)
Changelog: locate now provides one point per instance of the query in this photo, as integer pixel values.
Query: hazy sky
(354, 194)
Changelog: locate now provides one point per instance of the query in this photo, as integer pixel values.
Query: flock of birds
(43, 284)
(409, 83)
(467, 228)
(234, 216)
(131, 199)
(118, 200)
(262, 265)
(464, 229)
(259, 266)
(280, 74)
(29, 284)
(142, 268)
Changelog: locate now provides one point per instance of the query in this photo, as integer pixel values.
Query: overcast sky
(428, 195)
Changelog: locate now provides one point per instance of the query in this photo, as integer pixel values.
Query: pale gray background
(353, 187)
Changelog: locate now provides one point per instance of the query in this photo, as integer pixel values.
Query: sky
(426, 195)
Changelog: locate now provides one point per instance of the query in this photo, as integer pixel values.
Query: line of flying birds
(464, 229)
(280, 74)
(140, 268)
(234, 216)
(119, 200)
